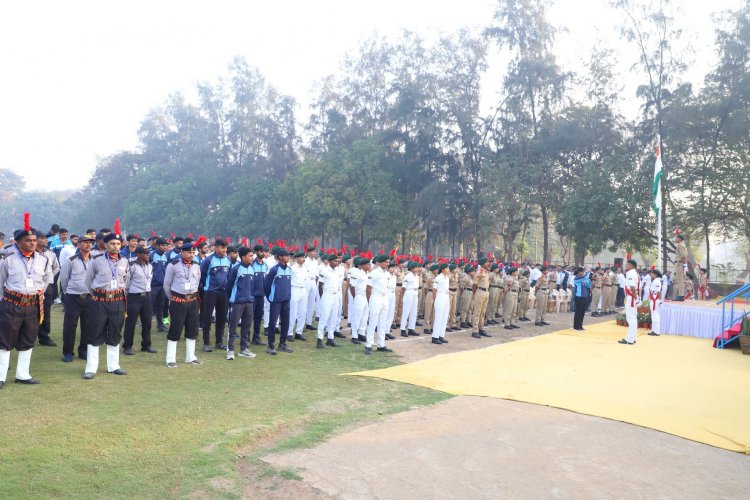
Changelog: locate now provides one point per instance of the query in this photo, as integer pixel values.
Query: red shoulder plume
(138, 235)
(282, 244)
(315, 243)
(393, 252)
(343, 249)
(653, 267)
(429, 257)
(153, 233)
(200, 240)
(117, 226)
(26, 221)
(244, 241)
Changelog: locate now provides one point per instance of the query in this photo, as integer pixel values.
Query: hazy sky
(78, 77)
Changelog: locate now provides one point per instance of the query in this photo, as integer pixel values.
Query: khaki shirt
(524, 283)
(453, 280)
(596, 280)
(552, 279)
(482, 278)
(682, 253)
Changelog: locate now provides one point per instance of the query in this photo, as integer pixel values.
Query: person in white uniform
(311, 263)
(411, 300)
(358, 311)
(655, 300)
(298, 304)
(632, 301)
(392, 285)
(377, 299)
(440, 286)
(329, 288)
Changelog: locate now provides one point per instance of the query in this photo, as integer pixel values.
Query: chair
(564, 301)
(553, 303)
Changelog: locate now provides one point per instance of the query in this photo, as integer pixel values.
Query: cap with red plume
(117, 227)
(315, 243)
(628, 256)
(244, 241)
(153, 233)
(27, 229)
(200, 240)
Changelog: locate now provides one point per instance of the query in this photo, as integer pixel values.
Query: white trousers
(442, 309)
(328, 314)
(631, 314)
(358, 314)
(312, 300)
(655, 316)
(297, 310)
(409, 309)
(391, 306)
(339, 312)
(378, 318)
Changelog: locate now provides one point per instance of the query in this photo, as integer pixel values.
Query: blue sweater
(214, 274)
(159, 263)
(278, 284)
(582, 285)
(240, 284)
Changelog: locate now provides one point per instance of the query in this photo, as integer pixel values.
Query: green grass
(173, 432)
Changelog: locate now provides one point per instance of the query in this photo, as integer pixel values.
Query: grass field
(176, 432)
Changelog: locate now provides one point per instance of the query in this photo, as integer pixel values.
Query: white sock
(24, 361)
(113, 358)
(171, 351)
(4, 363)
(92, 358)
(190, 350)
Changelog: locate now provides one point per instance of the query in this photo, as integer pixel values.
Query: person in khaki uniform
(523, 295)
(453, 295)
(345, 293)
(596, 291)
(605, 292)
(614, 285)
(423, 292)
(400, 270)
(480, 288)
(429, 298)
(511, 299)
(680, 267)
(541, 288)
(467, 298)
(495, 281)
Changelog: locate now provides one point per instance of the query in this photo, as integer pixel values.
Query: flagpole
(658, 231)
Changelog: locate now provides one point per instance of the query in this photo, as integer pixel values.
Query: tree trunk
(403, 243)
(545, 229)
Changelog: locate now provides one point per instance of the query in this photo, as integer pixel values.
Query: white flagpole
(658, 232)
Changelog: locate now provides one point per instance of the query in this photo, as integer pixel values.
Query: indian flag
(657, 179)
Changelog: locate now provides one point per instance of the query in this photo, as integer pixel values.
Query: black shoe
(442, 340)
(679, 299)
(161, 328)
(388, 336)
(271, 351)
(83, 356)
(469, 325)
(119, 371)
(418, 323)
(413, 333)
(436, 341)
(545, 323)
(220, 347)
(508, 327)
(148, 349)
(301, 337)
(385, 349)
(476, 335)
(524, 319)
(284, 348)
(514, 325)
(258, 342)
(2, 384)
(339, 335)
(332, 343)
(28, 381)
(48, 342)
(88, 375)
(427, 331)
(290, 338)
(319, 344)
(368, 350)
(595, 315)
(464, 326)
(356, 341)
(404, 334)
(538, 324)
(623, 341)
(363, 338)
(394, 326)
(482, 333)
(653, 334)
(309, 327)
(420, 316)
(128, 351)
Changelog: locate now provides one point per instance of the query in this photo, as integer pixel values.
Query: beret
(299, 254)
(382, 258)
(282, 252)
(434, 267)
(444, 265)
(113, 236)
(412, 265)
(482, 261)
(332, 257)
(452, 266)
(141, 250)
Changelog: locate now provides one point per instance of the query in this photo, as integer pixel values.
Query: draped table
(691, 320)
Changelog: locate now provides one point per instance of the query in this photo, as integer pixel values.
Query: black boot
(404, 334)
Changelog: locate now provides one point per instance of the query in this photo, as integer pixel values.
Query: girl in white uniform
(442, 304)
(411, 300)
(654, 301)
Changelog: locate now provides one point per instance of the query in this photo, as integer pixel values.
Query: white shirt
(655, 288)
(378, 280)
(621, 280)
(632, 280)
(411, 282)
(392, 283)
(67, 252)
(358, 279)
(535, 273)
(441, 283)
(299, 275)
(332, 278)
(312, 268)
(646, 286)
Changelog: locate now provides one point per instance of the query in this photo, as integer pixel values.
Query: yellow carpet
(678, 385)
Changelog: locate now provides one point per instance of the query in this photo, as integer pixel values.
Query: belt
(107, 295)
(608, 286)
(399, 284)
(480, 288)
(186, 297)
(453, 289)
(428, 289)
(331, 293)
(139, 294)
(544, 289)
(514, 290)
(494, 286)
(597, 287)
(526, 289)
(20, 299)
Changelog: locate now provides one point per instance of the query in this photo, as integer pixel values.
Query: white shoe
(245, 353)
(230, 354)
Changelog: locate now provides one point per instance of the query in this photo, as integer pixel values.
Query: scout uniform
(139, 304)
(481, 297)
(680, 267)
(77, 300)
(442, 304)
(511, 299)
(453, 293)
(467, 296)
(106, 277)
(429, 299)
(596, 291)
(542, 294)
(22, 281)
(523, 296)
(181, 283)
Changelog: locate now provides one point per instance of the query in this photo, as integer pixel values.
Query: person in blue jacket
(260, 268)
(159, 261)
(241, 290)
(214, 274)
(278, 290)
(581, 289)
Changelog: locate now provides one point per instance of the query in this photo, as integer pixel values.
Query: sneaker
(67, 358)
(220, 347)
(196, 361)
(271, 351)
(245, 353)
(258, 342)
(171, 365)
(284, 348)
(230, 354)
(207, 348)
